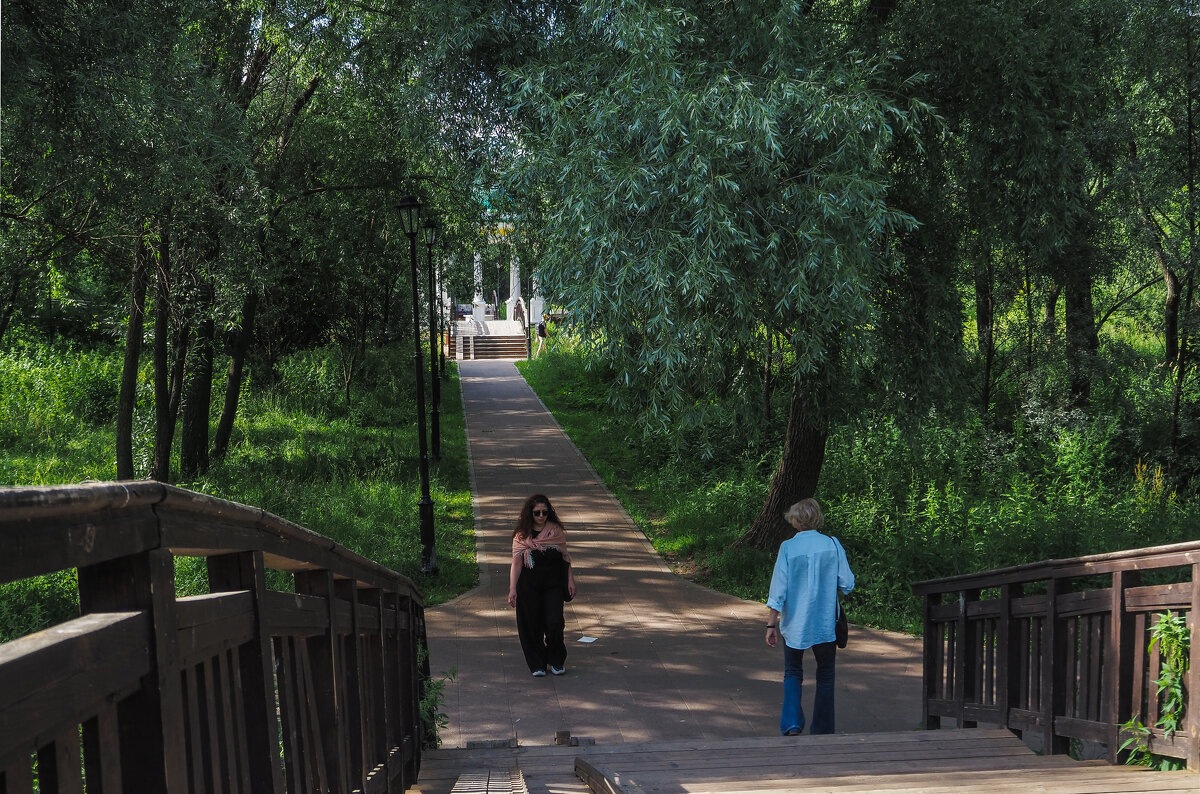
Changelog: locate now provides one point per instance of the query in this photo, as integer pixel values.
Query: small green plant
(1170, 633)
(433, 697)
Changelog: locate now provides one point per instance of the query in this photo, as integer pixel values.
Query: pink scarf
(552, 537)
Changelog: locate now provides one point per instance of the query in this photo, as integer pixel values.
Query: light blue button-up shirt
(802, 587)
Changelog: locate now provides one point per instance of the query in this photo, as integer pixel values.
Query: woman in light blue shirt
(809, 572)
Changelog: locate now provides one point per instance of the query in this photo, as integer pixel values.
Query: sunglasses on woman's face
(541, 512)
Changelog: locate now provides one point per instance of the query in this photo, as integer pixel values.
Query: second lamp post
(410, 212)
(435, 426)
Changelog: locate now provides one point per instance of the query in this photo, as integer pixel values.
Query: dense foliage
(908, 503)
(809, 213)
(926, 260)
(219, 178)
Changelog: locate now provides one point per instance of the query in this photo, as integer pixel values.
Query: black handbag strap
(837, 597)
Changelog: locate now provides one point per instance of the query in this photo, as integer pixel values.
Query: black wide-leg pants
(540, 622)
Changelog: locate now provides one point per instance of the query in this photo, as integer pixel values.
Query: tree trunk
(179, 347)
(984, 325)
(193, 443)
(1050, 313)
(1082, 340)
(795, 479)
(385, 319)
(767, 384)
(127, 399)
(1154, 234)
(1171, 315)
(233, 388)
(164, 419)
(10, 303)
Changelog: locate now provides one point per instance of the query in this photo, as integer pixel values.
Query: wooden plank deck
(973, 760)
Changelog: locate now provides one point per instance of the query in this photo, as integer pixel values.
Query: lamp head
(431, 231)
(409, 208)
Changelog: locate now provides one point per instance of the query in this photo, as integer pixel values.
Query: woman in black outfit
(539, 582)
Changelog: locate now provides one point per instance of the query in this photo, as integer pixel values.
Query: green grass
(349, 472)
(910, 503)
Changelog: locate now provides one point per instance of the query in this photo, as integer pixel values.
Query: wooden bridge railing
(1060, 648)
(242, 690)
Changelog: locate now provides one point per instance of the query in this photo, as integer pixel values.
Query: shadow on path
(671, 659)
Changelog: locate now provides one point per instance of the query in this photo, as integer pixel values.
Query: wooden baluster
(245, 571)
(18, 776)
(390, 667)
(291, 716)
(933, 662)
(1154, 665)
(1071, 671)
(324, 654)
(1008, 656)
(102, 752)
(209, 722)
(410, 714)
(58, 764)
(346, 590)
(191, 707)
(375, 693)
(1124, 648)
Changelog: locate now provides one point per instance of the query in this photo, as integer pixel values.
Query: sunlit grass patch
(349, 473)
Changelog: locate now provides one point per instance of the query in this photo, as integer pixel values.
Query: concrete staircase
(489, 339)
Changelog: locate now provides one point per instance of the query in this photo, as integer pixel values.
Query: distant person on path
(540, 581)
(802, 606)
(541, 334)
(519, 313)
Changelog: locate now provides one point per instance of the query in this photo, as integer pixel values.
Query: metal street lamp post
(435, 425)
(410, 211)
(444, 321)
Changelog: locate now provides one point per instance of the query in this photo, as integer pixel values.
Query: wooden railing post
(153, 750)
(1008, 656)
(1193, 684)
(245, 571)
(1054, 673)
(932, 667)
(966, 662)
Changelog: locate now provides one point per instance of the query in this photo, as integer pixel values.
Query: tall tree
(711, 171)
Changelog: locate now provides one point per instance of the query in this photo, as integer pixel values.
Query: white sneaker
(558, 670)
(540, 672)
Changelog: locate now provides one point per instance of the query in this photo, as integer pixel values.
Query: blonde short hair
(805, 514)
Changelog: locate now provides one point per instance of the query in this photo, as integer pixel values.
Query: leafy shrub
(910, 501)
(29, 605)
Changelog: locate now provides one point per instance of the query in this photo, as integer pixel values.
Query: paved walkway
(671, 659)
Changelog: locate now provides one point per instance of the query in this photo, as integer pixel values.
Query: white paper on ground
(587, 639)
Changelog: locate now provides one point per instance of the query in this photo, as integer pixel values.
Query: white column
(514, 286)
(536, 304)
(448, 308)
(478, 306)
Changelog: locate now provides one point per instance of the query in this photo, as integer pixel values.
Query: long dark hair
(524, 526)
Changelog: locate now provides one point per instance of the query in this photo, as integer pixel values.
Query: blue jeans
(792, 717)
